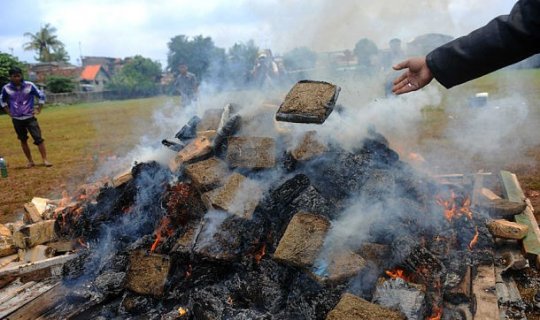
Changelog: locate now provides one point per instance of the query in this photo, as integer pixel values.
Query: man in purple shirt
(17, 99)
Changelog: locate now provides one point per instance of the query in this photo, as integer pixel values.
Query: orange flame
(163, 229)
(474, 240)
(397, 273)
(437, 314)
(260, 254)
(82, 243)
(451, 210)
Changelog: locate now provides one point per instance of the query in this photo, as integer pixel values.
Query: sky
(123, 28)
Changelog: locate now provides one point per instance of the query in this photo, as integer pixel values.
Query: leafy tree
(60, 84)
(300, 58)
(241, 58)
(200, 54)
(60, 55)
(364, 50)
(8, 61)
(46, 44)
(138, 77)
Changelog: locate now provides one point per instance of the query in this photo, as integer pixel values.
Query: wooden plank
(512, 189)
(513, 192)
(22, 296)
(37, 306)
(488, 194)
(478, 184)
(487, 307)
(31, 213)
(36, 266)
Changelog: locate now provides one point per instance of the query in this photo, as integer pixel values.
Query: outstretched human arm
(503, 41)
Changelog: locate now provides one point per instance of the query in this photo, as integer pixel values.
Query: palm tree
(45, 42)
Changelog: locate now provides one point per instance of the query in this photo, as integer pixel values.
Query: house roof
(90, 72)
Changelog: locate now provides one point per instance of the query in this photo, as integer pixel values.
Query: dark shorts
(22, 127)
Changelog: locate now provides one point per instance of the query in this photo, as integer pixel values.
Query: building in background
(94, 78)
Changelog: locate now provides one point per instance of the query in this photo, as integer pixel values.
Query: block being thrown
(308, 102)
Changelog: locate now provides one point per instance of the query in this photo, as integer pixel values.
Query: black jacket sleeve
(503, 41)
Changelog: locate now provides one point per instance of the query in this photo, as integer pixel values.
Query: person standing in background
(186, 84)
(17, 99)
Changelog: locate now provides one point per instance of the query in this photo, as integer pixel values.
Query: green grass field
(80, 137)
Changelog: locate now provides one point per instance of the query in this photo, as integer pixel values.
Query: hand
(38, 109)
(416, 77)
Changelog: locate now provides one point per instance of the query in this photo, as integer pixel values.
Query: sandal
(47, 164)
(30, 164)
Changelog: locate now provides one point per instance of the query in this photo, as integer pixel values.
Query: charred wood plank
(16, 304)
(511, 305)
(50, 265)
(462, 292)
(485, 294)
(513, 192)
(36, 307)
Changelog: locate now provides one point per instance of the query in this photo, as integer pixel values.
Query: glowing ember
(397, 273)
(163, 229)
(474, 239)
(182, 312)
(436, 315)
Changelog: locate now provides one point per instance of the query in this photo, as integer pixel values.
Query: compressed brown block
(33, 234)
(147, 273)
(210, 120)
(308, 102)
(338, 267)
(351, 307)
(505, 229)
(239, 196)
(251, 152)
(302, 240)
(308, 147)
(207, 174)
(502, 207)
